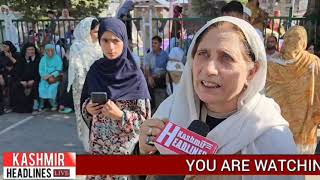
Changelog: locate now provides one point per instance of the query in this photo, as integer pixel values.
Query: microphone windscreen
(199, 127)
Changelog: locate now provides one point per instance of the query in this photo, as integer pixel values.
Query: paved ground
(41, 133)
(44, 132)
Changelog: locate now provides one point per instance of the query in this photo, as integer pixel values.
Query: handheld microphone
(174, 139)
(199, 127)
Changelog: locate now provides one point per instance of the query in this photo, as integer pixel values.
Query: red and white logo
(39, 165)
(177, 140)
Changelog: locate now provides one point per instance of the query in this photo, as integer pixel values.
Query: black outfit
(27, 69)
(65, 98)
(9, 73)
(128, 24)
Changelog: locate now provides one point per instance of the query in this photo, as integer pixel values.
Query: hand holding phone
(99, 97)
(93, 108)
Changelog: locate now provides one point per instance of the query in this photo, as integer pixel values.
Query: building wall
(300, 6)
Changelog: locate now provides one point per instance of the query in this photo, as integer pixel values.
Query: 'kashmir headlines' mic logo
(184, 141)
(40, 165)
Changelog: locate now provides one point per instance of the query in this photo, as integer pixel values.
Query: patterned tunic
(117, 137)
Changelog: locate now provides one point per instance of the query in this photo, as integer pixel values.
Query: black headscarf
(5, 61)
(26, 46)
(13, 49)
(120, 78)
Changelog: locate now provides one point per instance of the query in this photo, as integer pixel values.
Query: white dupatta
(256, 113)
(83, 52)
(256, 128)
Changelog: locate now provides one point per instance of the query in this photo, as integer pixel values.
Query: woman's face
(221, 69)
(65, 13)
(30, 52)
(6, 48)
(94, 34)
(50, 52)
(311, 49)
(111, 45)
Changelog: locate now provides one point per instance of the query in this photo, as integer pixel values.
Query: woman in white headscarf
(10, 30)
(85, 49)
(225, 71)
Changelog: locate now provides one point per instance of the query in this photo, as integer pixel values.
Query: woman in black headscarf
(9, 58)
(115, 125)
(26, 86)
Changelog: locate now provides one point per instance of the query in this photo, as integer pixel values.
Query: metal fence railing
(174, 31)
(40, 32)
(279, 25)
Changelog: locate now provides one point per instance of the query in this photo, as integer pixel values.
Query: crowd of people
(268, 97)
(36, 77)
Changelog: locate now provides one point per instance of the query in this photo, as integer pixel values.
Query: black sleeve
(85, 91)
(19, 66)
(37, 75)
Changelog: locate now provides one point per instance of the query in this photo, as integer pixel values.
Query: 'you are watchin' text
(257, 165)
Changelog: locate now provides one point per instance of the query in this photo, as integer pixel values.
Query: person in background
(182, 41)
(84, 51)
(115, 125)
(124, 15)
(10, 32)
(258, 16)
(233, 8)
(26, 88)
(50, 68)
(60, 48)
(174, 69)
(272, 48)
(155, 71)
(66, 24)
(221, 86)
(65, 99)
(177, 26)
(294, 83)
(310, 48)
(52, 28)
(247, 14)
(136, 58)
(2, 84)
(9, 58)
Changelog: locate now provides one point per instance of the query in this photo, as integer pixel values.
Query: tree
(35, 9)
(313, 8)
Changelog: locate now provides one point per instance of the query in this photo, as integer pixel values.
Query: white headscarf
(83, 52)
(255, 114)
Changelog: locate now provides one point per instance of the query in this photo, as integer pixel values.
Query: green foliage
(35, 9)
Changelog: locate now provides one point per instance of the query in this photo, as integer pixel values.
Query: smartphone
(99, 97)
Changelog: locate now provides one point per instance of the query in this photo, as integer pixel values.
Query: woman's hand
(111, 110)
(148, 131)
(8, 54)
(46, 77)
(24, 83)
(93, 108)
(30, 83)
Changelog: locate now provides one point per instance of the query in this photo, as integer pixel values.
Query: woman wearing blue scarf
(115, 126)
(50, 68)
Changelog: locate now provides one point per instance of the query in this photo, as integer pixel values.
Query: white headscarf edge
(82, 42)
(257, 46)
(185, 91)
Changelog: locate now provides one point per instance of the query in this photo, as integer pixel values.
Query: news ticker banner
(67, 165)
(39, 165)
